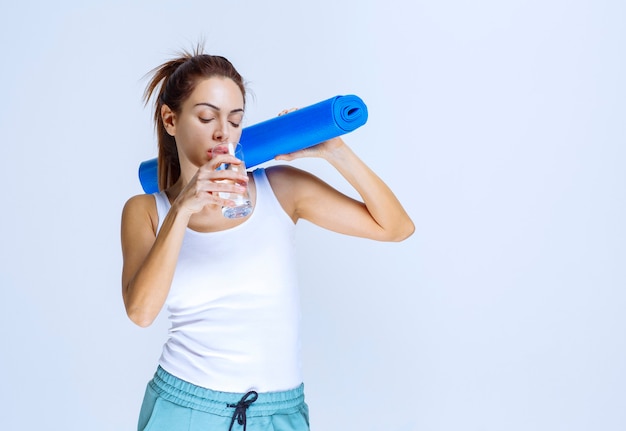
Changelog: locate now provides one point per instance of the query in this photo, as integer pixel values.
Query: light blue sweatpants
(172, 404)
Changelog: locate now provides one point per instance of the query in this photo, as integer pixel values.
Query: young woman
(232, 357)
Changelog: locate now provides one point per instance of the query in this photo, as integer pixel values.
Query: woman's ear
(169, 120)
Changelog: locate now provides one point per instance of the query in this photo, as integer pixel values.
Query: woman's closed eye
(208, 120)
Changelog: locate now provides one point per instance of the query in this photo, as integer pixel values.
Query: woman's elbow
(140, 319)
(401, 232)
(137, 314)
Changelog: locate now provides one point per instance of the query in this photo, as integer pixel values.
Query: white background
(499, 124)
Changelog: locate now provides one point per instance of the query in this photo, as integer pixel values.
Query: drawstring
(240, 409)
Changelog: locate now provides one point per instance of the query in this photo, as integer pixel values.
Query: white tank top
(233, 304)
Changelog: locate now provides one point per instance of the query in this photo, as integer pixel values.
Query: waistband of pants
(177, 391)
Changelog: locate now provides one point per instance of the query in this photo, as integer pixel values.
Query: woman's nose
(221, 132)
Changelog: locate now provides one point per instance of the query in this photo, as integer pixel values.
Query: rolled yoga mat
(287, 133)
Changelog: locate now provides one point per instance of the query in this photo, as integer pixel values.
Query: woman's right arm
(149, 259)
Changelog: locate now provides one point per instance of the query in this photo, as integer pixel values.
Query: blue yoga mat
(285, 134)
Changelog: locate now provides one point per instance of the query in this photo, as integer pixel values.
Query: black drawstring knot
(240, 409)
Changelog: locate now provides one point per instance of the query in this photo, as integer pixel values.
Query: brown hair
(176, 80)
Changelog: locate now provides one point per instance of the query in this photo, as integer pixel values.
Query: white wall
(500, 125)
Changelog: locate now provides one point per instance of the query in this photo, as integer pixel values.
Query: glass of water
(243, 204)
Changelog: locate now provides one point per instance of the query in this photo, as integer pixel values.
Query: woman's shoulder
(278, 174)
(143, 201)
(284, 178)
(141, 207)
(292, 186)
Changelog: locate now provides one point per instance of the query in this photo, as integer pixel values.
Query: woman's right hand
(205, 186)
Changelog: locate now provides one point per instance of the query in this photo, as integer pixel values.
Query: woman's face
(212, 114)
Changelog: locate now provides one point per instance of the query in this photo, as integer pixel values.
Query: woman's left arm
(379, 216)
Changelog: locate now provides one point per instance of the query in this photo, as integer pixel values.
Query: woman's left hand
(322, 150)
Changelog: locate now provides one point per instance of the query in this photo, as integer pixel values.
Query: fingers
(312, 151)
(212, 186)
(222, 175)
(324, 150)
(286, 157)
(287, 111)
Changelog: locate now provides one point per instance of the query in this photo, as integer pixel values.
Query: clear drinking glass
(243, 204)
